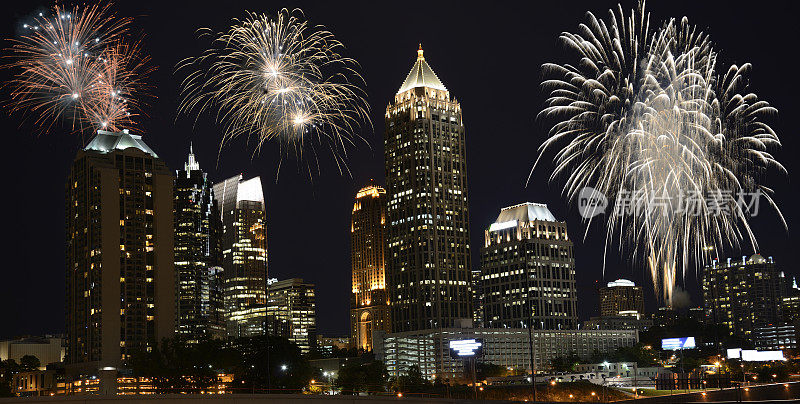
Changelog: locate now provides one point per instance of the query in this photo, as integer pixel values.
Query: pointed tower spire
(192, 165)
(421, 75)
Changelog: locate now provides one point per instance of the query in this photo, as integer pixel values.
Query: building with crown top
(528, 271)
(621, 298)
(198, 255)
(244, 255)
(369, 303)
(120, 274)
(428, 254)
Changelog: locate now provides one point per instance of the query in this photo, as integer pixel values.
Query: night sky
(489, 57)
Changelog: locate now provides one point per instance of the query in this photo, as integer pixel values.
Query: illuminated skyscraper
(621, 298)
(428, 229)
(121, 286)
(244, 254)
(528, 271)
(369, 304)
(198, 255)
(743, 294)
(292, 312)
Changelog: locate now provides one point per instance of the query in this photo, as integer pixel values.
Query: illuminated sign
(465, 347)
(675, 344)
(503, 225)
(751, 355)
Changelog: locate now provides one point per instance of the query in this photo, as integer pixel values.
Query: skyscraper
(621, 298)
(528, 270)
(244, 254)
(369, 303)
(120, 269)
(198, 255)
(292, 312)
(428, 229)
(743, 295)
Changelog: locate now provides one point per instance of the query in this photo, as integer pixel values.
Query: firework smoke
(278, 79)
(644, 117)
(76, 65)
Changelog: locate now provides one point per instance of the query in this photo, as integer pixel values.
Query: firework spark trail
(645, 119)
(278, 79)
(74, 64)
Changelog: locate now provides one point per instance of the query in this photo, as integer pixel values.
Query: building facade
(369, 302)
(510, 348)
(292, 312)
(428, 218)
(48, 349)
(743, 295)
(121, 285)
(528, 271)
(617, 323)
(621, 298)
(198, 255)
(244, 255)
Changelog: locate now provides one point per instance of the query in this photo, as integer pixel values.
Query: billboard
(751, 355)
(463, 348)
(676, 344)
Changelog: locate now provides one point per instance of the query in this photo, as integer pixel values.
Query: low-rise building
(776, 337)
(429, 349)
(48, 349)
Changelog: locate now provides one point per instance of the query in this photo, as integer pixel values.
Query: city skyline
(489, 176)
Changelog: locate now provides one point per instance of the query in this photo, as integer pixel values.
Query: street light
(284, 367)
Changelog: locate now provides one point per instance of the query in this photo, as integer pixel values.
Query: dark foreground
(772, 393)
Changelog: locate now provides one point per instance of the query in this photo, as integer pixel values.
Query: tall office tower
(120, 270)
(198, 254)
(621, 298)
(528, 270)
(292, 312)
(743, 295)
(426, 178)
(369, 304)
(244, 255)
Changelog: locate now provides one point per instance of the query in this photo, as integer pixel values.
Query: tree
(486, 369)
(272, 363)
(639, 353)
(357, 377)
(29, 362)
(8, 368)
(413, 381)
(565, 363)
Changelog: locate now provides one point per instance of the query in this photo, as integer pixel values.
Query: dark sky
(489, 57)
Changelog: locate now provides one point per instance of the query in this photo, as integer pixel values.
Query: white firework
(644, 118)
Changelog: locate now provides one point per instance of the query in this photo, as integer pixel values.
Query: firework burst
(644, 118)
(74, 64)
(278, 79)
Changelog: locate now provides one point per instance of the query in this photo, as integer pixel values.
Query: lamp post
(530, 335)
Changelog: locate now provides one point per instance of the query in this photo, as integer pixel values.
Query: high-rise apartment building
(428, 219)
(292, 312)
(198, 255)
(743, 295)
(369, 303)
(121, 286)
(244, 254)
(528, 271)
(790, 306)
(621, 298)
